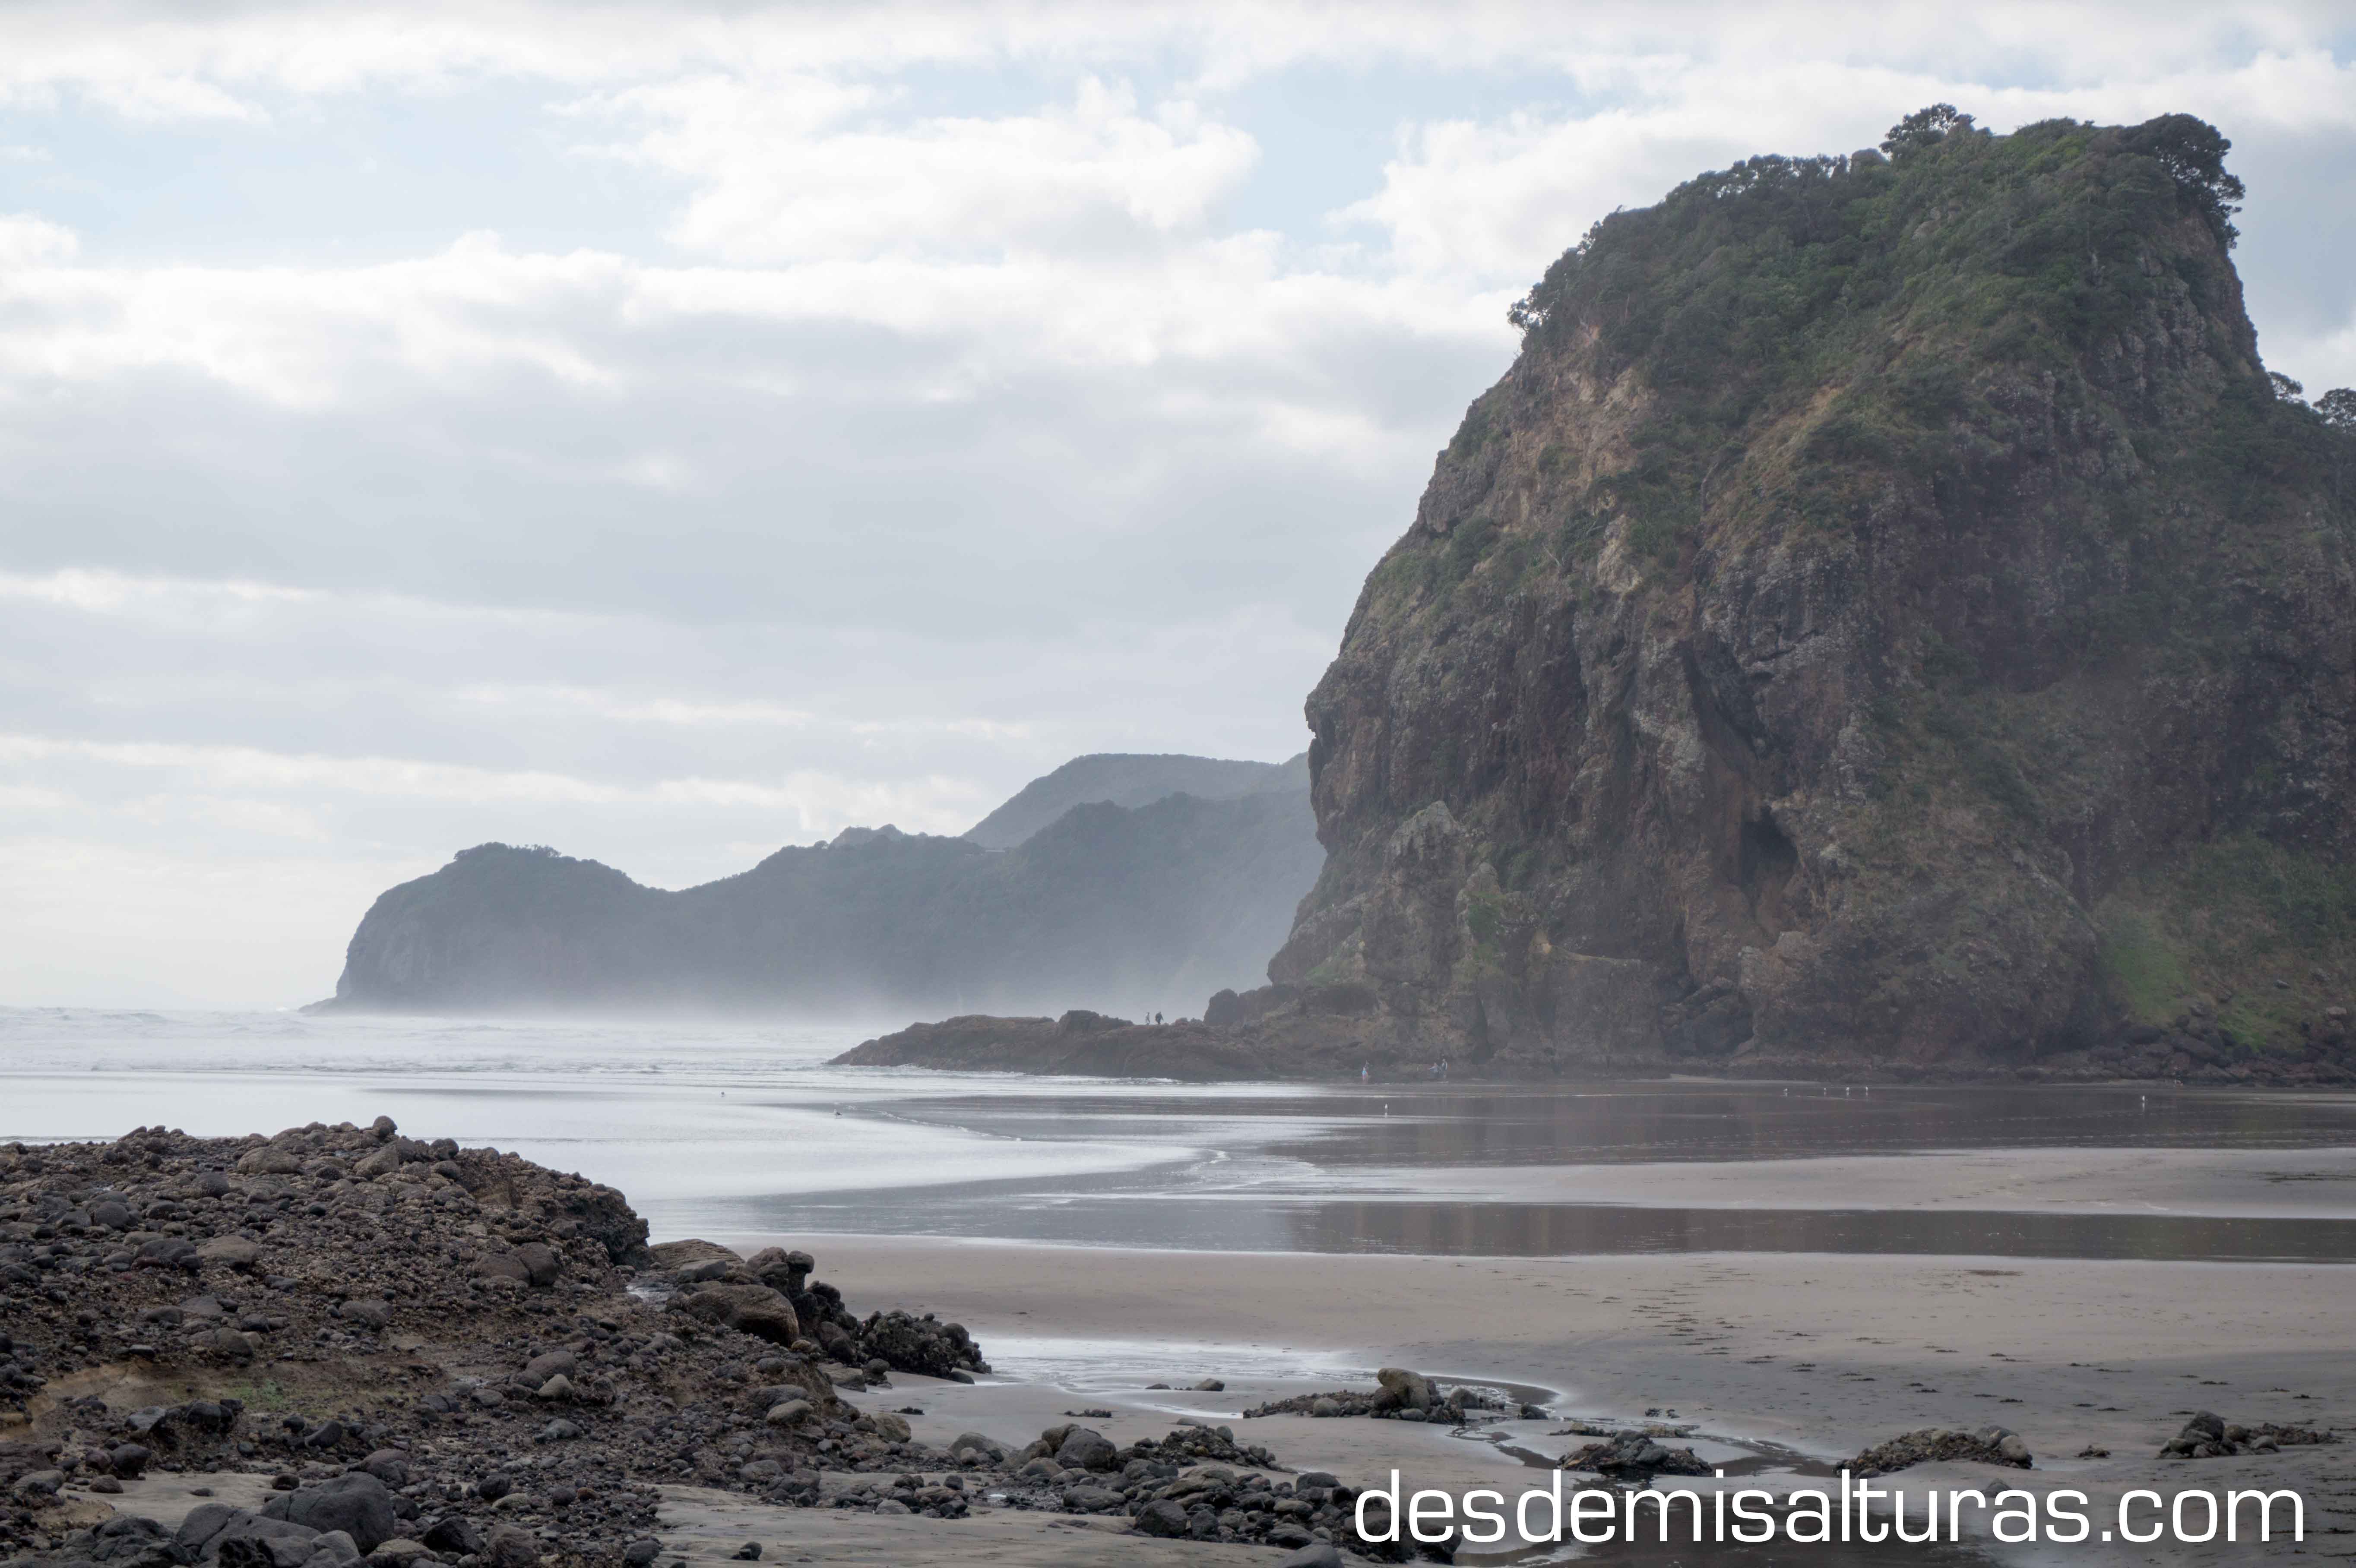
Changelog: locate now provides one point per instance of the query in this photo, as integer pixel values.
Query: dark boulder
(1164, 1519)
(541, 1264)
(1084, 1449)
(390, 1465)
(754, 1309)
(510, 1547)
(453, 1536)
(358, 1504)
(253, 1541)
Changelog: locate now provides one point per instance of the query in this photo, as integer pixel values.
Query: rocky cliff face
(1886, 612)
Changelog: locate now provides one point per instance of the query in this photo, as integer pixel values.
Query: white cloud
(157, 57)
(1500, 199)
(295, 336)
(2319, 362)
(239, 815)
(592, 324)
(621, 707)
(34, 797)
(115, 593)
(790, 170)
(28, 242)
(804, 799)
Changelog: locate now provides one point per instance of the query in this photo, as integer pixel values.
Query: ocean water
(740, 1129)
(677, 1115)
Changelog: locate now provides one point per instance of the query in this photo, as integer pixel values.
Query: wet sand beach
(1783, 1359)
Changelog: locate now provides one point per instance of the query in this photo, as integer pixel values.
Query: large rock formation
(1124, 908)
(1886, 611)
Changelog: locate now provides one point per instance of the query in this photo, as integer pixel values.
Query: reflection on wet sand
(1268, 1169)
(1542, 1230)
(1435, 1124)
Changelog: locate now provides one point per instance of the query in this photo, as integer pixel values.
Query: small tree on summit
(1925, 127)
(2194, 152)
(2338, 407)
(2284, 388)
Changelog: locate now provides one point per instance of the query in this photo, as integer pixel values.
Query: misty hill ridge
(1130, 779)
(1155, 906)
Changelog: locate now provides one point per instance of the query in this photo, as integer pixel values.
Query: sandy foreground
(1784, 1362)
(1813, 1355)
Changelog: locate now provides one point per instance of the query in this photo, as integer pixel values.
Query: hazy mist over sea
(742, 1129)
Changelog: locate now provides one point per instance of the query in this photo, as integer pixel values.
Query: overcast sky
(669, 431)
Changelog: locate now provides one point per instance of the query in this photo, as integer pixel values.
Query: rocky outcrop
(771, 1296)
(1886, 616)
(1118, 905)
(1082, 1043)
(1635, 1457)
(406, 1382)
(2211, 1436)
(1931, 1444)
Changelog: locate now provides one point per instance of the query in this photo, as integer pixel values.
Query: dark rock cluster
(1402, 1395)
(490, 1343)
(454, 1356)
(1986, 1445)
(771, 1296)
(1198, 1483)
(1634, 1456)
(2211, 1437)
